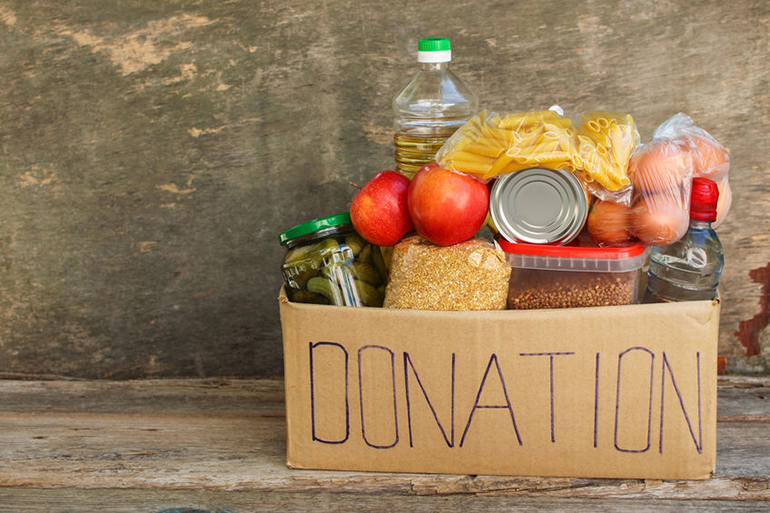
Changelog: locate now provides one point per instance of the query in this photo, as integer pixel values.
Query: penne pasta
(492, 144)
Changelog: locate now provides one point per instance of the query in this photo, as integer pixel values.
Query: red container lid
(572, 250)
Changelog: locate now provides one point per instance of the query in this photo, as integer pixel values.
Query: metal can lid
(539, 206)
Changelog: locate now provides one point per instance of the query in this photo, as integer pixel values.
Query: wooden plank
(152, 151)
(743, 398)
(185, 397)
(230, 435)
(73, 500)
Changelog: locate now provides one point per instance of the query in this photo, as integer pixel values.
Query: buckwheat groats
(534, 289)
(546, 276)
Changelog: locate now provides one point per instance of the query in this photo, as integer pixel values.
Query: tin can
(539, 206)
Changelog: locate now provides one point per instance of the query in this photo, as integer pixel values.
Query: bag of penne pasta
(491, 144)
(606, 142)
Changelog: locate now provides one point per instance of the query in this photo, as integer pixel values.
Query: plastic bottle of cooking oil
(430, 108)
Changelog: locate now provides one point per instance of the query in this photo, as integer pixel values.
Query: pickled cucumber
(311, 256)
(326, 288)
(298, 277)
(379, 264)
(366, 254)
(366, 272)
(338, 270)
(341, 275)
(330, 271)
(387, 255)
(296, 255)
(370, 295)
(305, 296)
(324, 251)
(355, 242)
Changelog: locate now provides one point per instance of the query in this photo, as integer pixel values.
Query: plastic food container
(327, 262)
(572, 276)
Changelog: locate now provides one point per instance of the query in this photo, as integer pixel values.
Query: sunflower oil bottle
(430, 108)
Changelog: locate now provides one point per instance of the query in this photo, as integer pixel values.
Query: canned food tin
(539, 206)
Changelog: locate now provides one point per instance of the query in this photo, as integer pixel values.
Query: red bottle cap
(703, 202)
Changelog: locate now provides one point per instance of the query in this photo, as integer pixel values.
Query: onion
(711, 159)
(724, 201)
(661, 166)
(658, 220)
(609, 223)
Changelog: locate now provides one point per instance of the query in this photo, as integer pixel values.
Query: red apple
(447, 207)
(379, 210)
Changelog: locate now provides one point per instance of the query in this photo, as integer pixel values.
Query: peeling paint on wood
(749, 331)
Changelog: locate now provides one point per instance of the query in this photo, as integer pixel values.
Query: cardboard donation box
(617, 392)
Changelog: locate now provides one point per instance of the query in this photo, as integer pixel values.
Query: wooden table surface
(218, 446)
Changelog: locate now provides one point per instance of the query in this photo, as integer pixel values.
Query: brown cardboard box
(619, 392)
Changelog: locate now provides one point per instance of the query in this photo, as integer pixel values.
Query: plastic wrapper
(471, 275)
(658, 212)
(607, 141)
(661, 173)
(491, 144)
(710, 158)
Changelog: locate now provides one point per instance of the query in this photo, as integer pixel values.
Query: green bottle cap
(433, 44)
(314, 226)
(434, 49)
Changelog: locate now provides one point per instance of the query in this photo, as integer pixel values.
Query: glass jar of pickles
(327, 262)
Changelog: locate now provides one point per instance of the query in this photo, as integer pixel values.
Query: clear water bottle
(689, 269)
(430, 108)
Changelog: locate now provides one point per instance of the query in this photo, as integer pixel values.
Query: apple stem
(355, 185)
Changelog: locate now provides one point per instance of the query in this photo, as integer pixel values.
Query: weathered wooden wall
(151, 152)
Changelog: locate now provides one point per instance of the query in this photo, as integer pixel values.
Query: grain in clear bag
(471, 275)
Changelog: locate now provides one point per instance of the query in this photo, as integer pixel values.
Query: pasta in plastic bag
(491, 144)
(606, 143)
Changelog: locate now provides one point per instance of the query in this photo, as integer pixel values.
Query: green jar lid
(314, 226)
(433, 44)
